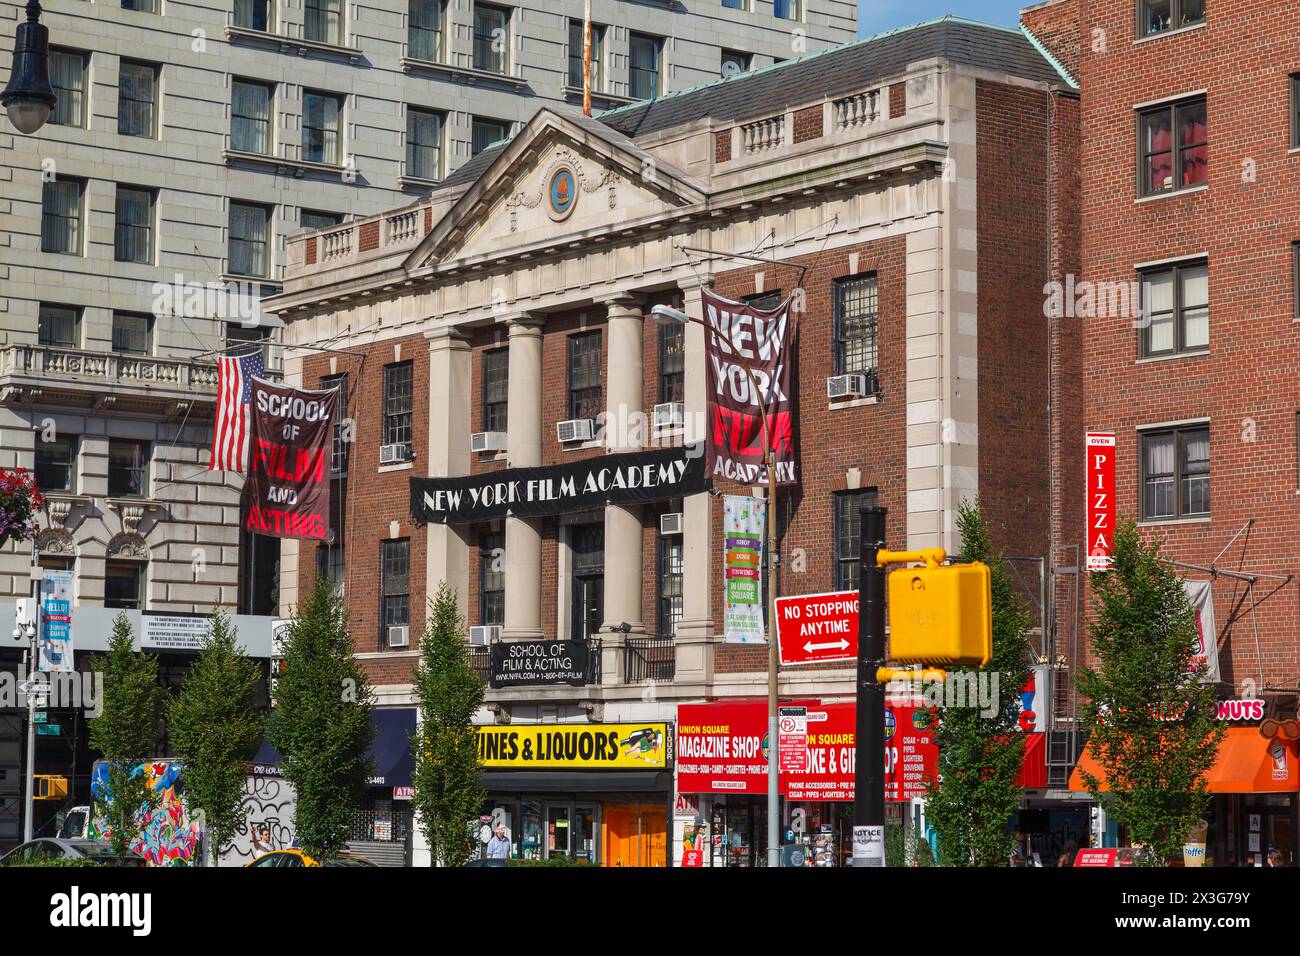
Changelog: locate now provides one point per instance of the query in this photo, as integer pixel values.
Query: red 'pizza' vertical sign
(1101, 499)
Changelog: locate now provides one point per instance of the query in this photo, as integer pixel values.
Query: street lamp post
(29, 98)
(666, 313)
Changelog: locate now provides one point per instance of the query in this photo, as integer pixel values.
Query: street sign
(48, 730)
(817, 628)
(792, 728)
(41, 716)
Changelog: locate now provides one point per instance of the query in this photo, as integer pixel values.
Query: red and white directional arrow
(839, 645)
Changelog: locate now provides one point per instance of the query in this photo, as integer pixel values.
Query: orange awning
(1247, 763)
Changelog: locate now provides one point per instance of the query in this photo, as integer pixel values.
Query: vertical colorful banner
(743, 521)
(287, 491)
(56, 621)
(1100, 449)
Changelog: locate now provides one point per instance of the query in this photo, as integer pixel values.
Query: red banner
(721, 749)
(1100, 449)
(749, 358)
(287, 492)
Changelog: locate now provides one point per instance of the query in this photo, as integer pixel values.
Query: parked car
(299, 858)
(52, 848)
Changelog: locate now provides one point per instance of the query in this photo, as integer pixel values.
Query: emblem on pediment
(128, 545)
(564, 179)
(55, 541)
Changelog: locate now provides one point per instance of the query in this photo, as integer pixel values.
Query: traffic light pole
(869, 765)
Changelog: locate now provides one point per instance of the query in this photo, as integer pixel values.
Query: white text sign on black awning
(628, 478)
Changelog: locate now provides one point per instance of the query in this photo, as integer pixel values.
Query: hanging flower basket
(20, 500)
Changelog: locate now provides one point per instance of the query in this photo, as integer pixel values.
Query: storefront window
(557, 832)
(583, 834)
(529, 844)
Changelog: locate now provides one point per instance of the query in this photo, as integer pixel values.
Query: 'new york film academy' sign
(629, 478)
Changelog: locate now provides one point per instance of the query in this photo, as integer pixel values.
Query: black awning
(578, 781)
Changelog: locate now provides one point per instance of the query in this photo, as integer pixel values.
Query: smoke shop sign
(539, 663)
(632, 478)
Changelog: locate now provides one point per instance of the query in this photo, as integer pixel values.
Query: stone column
(624, 431)
(523, 558)
(694, 658)
(449, 423)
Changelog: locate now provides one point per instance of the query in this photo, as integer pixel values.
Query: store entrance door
(635, 835)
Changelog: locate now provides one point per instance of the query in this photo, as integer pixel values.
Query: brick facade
(808, 123)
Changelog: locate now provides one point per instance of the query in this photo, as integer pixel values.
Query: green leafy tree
(1149, 716)
(981, 749)
(448, 795)
(126, 732)
(321, 722)
(215, 727)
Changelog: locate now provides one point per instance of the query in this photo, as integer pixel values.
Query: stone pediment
(562, 179)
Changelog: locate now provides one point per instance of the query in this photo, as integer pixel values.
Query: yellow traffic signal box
(940, 615)
(48, 787)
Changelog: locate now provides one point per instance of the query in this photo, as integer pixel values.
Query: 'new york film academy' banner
(628, 478)
(287, 489)
(762, 361)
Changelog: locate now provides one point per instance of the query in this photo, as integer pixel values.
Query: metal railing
(648, 658)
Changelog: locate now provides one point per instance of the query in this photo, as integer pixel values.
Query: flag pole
(586, 58)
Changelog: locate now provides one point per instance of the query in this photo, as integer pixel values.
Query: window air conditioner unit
(846, 386)
(669, 414)
(575, 429)
(670, 523)
(399, 635)
(487, 441)
(394, 454)
(485, 635)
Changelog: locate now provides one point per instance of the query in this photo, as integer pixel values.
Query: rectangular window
(423, 144)
(250, 117)
(238, 335)
(250, 240)
(133, 225)
(733, 4)
(56, 464)
(131, 333)
(123, 582)
(339, 452)
(857, 329)
(734, 63)
(786, 9)
(61, 216)
(59, 325)
(329, 563)
(644, 56)
(672, 362)
(140, 6)
(584, 375)
(671, 568)
(395, 573)
(424, 38)
(1175, 472)
(68, 77)
(576, 55)
(1176, 309)
(491, 38)
(128, 468)
(137, 99)
(1157, 16)
(1173, 153)
(496, 389)
(485, 132)
(765, 301)
(398, 380)
(848, 535)
(492, 578)
(311, 219)
(255, 15)
(324, 21)
(322, 131)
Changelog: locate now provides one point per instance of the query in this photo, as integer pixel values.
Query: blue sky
(875, 16)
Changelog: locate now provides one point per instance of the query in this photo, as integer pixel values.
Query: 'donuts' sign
(287, 492)
(576, 746)
(539, 663)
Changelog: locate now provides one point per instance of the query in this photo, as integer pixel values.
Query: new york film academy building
(500, 331)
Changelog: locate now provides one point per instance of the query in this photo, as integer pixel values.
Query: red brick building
(1190, 189)
(913, 189)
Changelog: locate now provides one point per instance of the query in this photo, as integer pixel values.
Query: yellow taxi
(296, 857)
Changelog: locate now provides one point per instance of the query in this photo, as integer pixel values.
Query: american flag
(235, 376)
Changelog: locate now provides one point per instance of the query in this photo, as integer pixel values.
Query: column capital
(521, 322)
(627, 302)
(695, 281)
(447, 337)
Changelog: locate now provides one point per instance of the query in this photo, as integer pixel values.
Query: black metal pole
(869, 766)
